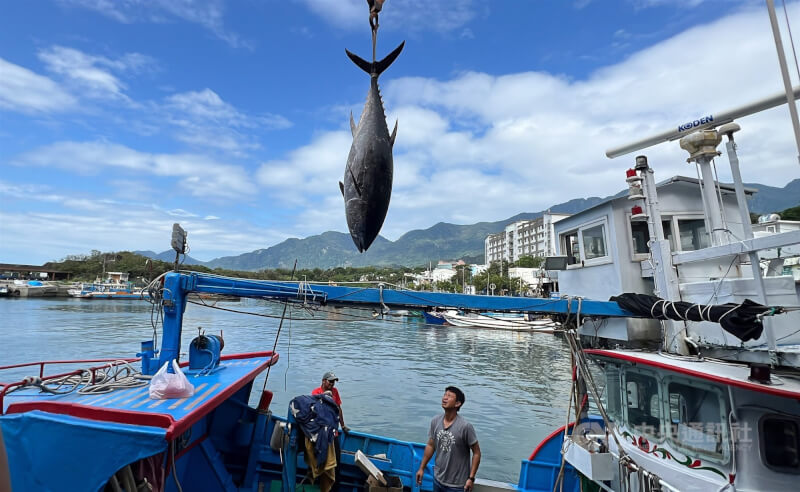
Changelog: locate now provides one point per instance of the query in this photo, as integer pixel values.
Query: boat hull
(509, 324)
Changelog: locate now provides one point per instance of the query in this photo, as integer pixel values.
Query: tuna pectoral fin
(352, 124)
(394, 134)
(341, 188)
(355, 183)
(376, 68)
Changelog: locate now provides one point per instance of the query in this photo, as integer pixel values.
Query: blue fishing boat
(433, 317)
(97, 426)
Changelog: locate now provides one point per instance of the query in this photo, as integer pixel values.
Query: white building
(436, 275)
(523, 238)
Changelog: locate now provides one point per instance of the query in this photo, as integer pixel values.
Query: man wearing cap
(327, 387)
(328, 382)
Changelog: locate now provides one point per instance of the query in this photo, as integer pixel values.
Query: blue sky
(120, 117)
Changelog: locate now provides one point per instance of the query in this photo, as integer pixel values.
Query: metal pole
(787, 83)
(733, 158)
(708, 190)
(755, 262)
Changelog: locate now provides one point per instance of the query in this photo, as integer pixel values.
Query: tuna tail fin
(341, 187)
(378, 67)
(352, 124)
(394, 134)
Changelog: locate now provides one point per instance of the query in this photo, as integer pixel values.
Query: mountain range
(418, 247)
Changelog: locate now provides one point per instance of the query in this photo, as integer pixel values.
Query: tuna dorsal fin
(352, 124)
(376, 68)
(341, 188)
(394, 134)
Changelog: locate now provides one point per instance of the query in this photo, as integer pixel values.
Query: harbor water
(392, 372)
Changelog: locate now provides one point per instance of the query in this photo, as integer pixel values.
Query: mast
(787, 84)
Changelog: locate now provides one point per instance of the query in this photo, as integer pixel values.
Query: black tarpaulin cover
(740, 320)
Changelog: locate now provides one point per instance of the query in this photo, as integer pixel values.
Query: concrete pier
(47, 289)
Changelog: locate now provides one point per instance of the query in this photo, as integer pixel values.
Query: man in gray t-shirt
(452, 437)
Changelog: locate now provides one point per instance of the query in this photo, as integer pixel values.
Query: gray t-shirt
(452, 446)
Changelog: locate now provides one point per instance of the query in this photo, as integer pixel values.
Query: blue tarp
(49, 452)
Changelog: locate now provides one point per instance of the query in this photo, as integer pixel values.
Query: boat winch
(204, 353)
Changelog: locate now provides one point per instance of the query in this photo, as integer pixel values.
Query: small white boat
(504, 322)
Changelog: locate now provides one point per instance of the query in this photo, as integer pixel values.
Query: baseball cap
(330, 376)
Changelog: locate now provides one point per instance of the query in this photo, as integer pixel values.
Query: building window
(642, 404)
(780, 443)
(698, 418)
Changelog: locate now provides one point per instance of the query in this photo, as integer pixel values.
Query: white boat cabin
(607, 252)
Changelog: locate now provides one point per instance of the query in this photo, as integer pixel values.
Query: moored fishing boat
(498, 321)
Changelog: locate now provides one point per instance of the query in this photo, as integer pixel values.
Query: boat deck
(134, 407)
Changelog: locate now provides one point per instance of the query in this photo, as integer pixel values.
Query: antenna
(702, 123)
(178, 242)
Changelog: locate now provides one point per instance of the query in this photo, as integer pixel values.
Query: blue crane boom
(178, 284)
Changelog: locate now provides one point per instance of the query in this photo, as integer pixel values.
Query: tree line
(88, 267)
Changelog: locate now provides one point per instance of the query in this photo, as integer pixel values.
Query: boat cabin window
(642, 403)
(587, 245)
(693, 235)
(780, 443)
(640, 235)
(569, 243)
(697, 418)
(613, 392)
(594, 242)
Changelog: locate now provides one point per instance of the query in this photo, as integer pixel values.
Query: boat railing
(6, 387)
(745, 246)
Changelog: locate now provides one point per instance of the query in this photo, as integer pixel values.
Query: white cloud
(118, 229)
(204, 119)
(207, 13)
(25, 91)
(92, 74)
(196, 174)
(309, 171)
(179, 212)
(83, 224)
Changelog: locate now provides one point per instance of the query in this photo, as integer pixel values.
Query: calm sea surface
(392, 373)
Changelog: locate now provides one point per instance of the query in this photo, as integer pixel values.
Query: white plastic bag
(166, 385)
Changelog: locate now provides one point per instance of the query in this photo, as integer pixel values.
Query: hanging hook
(375, 7)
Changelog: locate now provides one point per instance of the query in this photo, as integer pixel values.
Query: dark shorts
(437, 487)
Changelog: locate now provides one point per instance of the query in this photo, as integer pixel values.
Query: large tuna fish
(367, 185)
